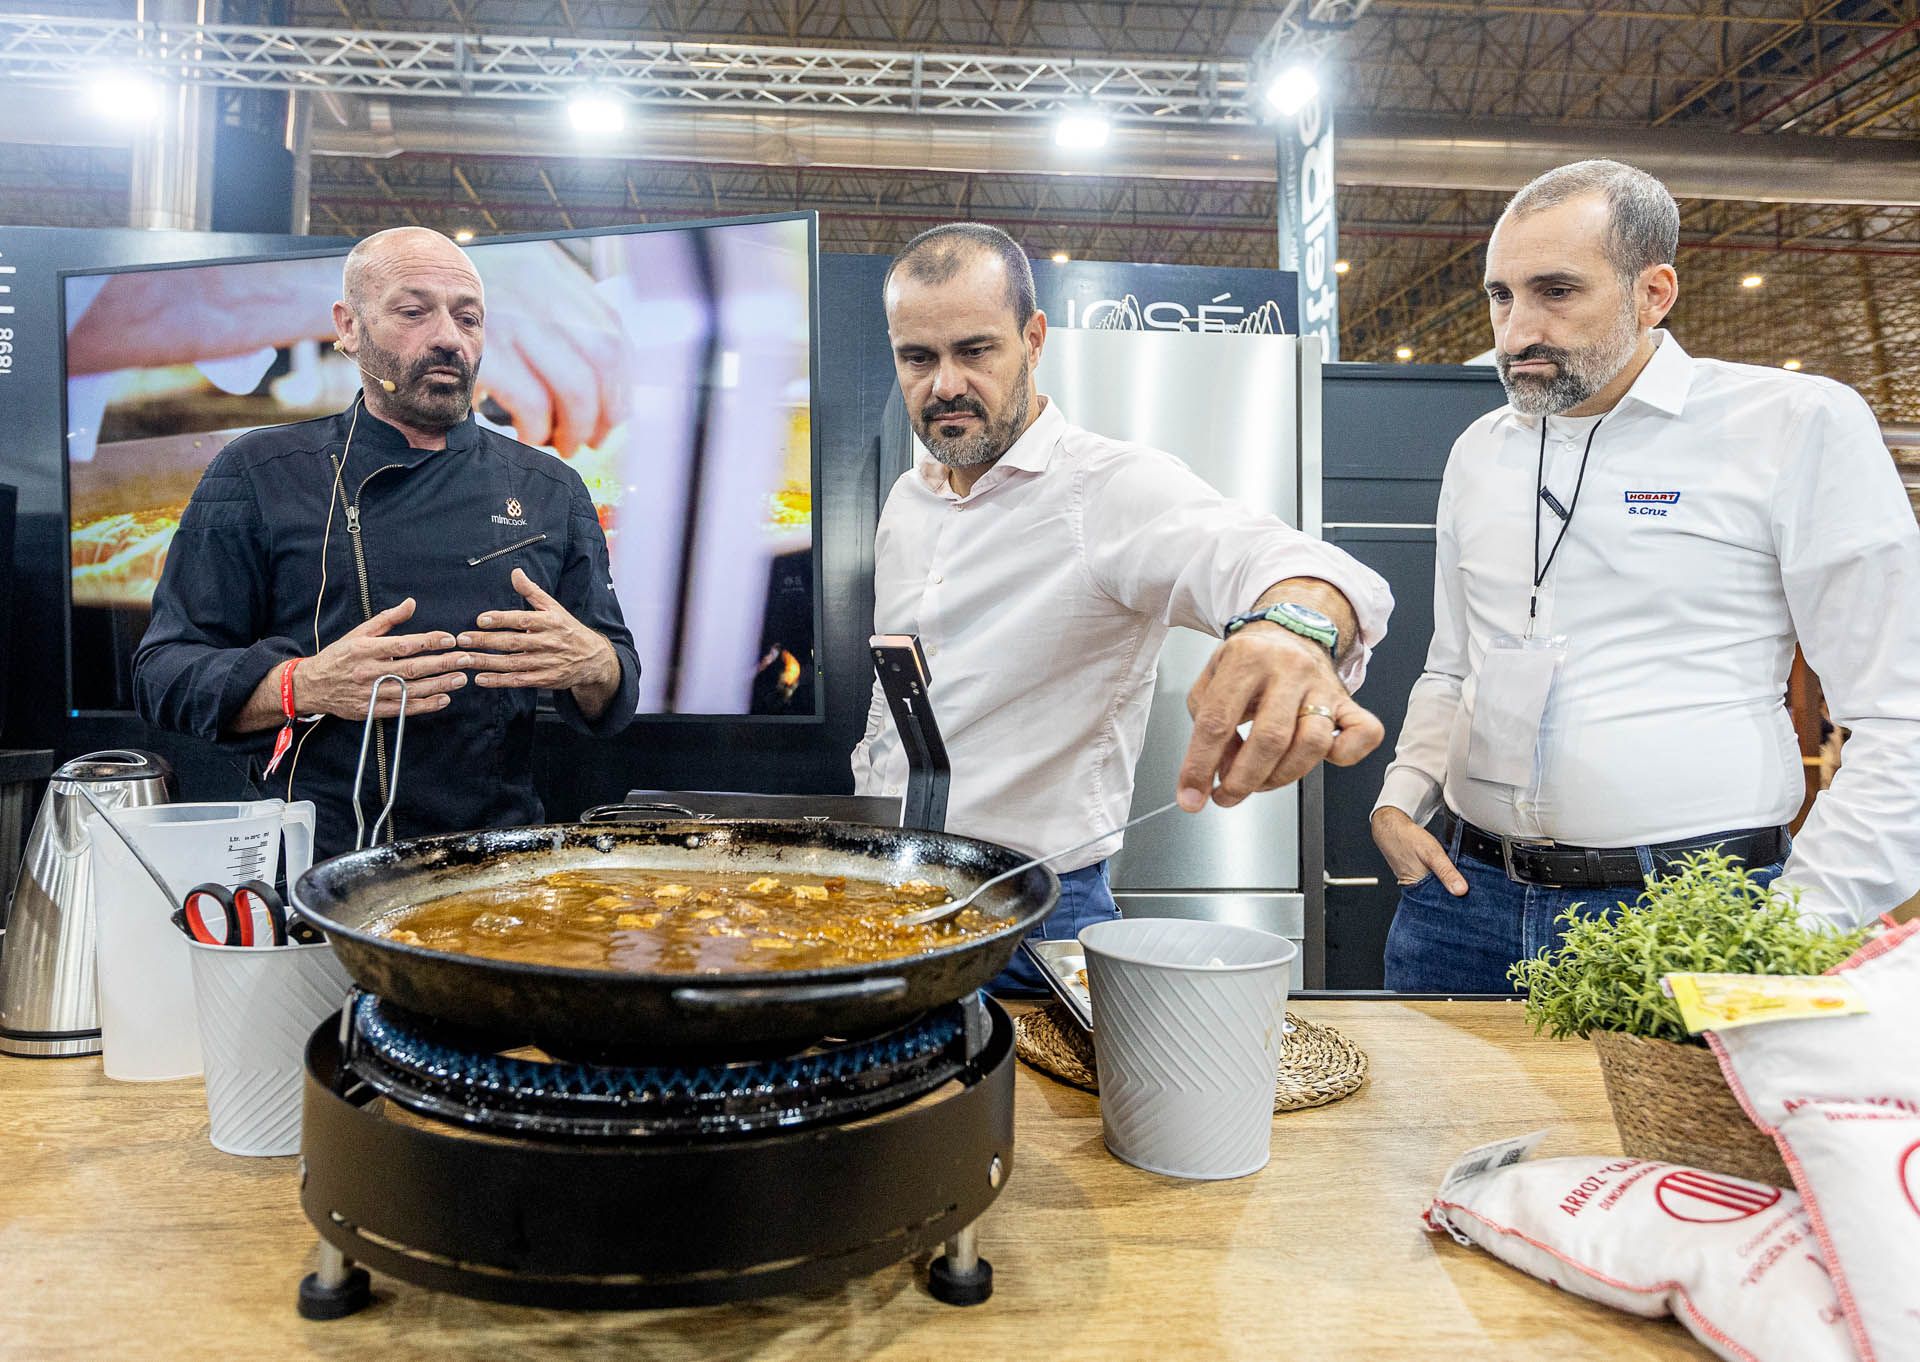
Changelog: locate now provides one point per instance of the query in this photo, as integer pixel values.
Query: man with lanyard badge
(1626, 555)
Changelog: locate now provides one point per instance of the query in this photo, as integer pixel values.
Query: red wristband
(284, 739)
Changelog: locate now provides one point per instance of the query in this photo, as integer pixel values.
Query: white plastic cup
(145, 985)
(257, 1006)
(1189, 1019)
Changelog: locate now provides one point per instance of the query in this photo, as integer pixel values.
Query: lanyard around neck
(1540, 570)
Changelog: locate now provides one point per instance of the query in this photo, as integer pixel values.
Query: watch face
(1305, 614)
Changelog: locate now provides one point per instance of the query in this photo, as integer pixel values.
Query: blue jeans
(1442, 944)
(1085, 898)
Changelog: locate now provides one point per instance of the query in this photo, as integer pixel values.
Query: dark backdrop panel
(1385, 436)
(9, 640)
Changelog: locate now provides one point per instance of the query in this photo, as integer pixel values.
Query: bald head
(413, 318)
(398, 250)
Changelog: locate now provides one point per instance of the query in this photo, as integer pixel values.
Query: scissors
(214, 915)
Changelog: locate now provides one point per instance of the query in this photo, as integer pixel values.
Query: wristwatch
(1303, 620)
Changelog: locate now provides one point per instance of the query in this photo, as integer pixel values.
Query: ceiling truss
(1842, 284)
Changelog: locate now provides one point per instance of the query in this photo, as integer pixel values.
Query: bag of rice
(1736, 1262)
(1841, 1097)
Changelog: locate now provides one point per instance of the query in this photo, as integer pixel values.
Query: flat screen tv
(671, 366)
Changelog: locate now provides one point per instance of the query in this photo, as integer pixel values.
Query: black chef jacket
(445, 526)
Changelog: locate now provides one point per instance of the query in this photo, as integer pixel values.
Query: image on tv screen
(670, 367)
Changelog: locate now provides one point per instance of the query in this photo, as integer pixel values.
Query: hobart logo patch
(1651, 503)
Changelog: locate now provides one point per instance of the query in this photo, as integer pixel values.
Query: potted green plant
(1707, 915)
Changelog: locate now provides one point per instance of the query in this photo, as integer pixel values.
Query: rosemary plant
(1708, 915)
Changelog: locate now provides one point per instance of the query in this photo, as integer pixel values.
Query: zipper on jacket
(366, 613)
(476, 562)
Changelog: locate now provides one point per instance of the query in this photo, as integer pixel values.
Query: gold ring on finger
(1321, 711)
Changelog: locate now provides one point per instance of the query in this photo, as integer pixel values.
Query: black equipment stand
(342, 1139)
(960, 1276)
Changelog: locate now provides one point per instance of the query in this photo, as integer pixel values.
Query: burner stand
(642, 1222)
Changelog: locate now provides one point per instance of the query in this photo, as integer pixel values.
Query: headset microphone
(386, 383)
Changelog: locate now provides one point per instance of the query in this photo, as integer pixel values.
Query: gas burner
(445, 1072)
(561, 1183)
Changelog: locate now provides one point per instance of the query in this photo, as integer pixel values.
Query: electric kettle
(48, 1003)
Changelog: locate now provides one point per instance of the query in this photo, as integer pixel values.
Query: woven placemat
(1318, 1065)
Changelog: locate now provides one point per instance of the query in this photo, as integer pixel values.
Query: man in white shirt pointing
(1041, 565)
(1626, 555)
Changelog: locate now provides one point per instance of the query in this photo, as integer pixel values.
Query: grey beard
(418, 406)
(1578, 374)
(993, 439)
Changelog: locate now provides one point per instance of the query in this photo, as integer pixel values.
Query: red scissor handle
(257, 896)
(206, 904)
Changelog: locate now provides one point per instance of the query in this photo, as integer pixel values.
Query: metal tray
(1059, 962)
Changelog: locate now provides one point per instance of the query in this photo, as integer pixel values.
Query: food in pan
(650, 921)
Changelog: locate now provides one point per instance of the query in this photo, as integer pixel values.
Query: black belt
(1555, 865)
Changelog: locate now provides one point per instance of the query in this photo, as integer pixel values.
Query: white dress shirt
(1041, 599)
(1778, 516)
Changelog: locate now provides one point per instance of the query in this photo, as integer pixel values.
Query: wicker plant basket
(1671, 1103)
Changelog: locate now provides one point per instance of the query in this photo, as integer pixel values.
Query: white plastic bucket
(147, 1029)
(1189, 1019)
(257, 1006)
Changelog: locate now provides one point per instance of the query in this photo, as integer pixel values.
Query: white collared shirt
(1041, 598)
(1728, 511)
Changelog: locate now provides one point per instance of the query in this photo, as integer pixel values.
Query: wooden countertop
(120, 1225)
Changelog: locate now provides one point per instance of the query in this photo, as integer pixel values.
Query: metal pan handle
(361, 838)
(635, 813)
(877, 989)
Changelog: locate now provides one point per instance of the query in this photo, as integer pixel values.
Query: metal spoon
(921, 917)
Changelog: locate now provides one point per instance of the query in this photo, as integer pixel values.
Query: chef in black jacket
(397, 536)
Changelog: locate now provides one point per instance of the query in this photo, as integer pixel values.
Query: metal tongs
(361, 838)
(940, 912)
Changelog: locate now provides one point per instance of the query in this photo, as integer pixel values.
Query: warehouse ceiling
(1841, 282)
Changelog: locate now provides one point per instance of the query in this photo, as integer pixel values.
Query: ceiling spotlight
(1753, 281)
(1405, 352)
(1342, 266)
(1792, 364)
(1083, 129)
(1061, 257)
(596, 113)
(124, 96)
(464, 235)
(1292, 89)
